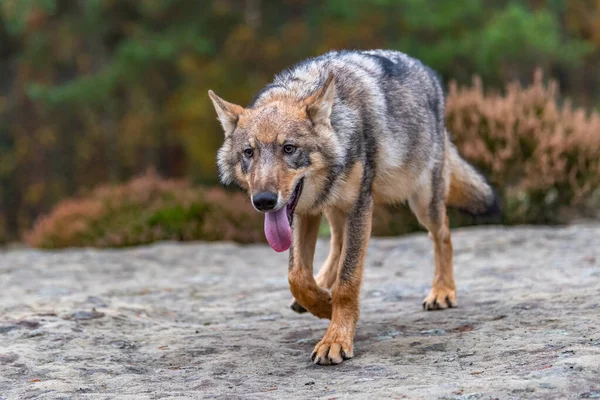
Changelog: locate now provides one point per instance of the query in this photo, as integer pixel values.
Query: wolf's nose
(265, 201)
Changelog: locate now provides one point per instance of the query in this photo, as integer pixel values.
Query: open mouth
(293, 201)
(278, 224)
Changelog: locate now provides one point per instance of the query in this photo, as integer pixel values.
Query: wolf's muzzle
(265, 201)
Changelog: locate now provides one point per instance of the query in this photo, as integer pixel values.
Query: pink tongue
(277, 230)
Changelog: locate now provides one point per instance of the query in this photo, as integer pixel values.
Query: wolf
(334, 135)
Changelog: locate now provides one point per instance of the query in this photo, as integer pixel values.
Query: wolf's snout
(265, 201)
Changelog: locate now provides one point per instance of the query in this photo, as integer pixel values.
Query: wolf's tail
(469, 191)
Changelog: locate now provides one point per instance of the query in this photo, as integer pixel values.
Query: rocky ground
(212, 321)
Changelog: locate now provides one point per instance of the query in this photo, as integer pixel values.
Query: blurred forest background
(97, 91)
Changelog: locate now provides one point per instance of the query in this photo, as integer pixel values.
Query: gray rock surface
(212, 321)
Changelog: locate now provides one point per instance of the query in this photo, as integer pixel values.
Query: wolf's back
(393, 103)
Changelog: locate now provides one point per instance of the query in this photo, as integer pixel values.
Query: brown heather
(145, 210)
(543, 157)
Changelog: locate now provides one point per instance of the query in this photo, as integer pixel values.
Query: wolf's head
(280, 152)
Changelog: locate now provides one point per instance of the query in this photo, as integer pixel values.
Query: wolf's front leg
(300, 275)
(338, 343)
(328, 273)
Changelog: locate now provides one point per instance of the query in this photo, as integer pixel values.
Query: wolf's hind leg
(337, 225)
(428, 205)
(327, 274)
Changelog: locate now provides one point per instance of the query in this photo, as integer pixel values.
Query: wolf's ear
(228, 113)
(320, 103)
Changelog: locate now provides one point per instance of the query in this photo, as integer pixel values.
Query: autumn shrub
(145, 210)
(541, 155)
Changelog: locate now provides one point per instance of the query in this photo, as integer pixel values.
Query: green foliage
(130, 62)
(517, 36)
(19, 10)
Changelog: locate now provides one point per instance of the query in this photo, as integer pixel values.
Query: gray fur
(388, 106)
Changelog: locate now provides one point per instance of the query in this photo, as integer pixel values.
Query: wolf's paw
(297, 307)
(318, 303)
(439, 298)
(332, 351)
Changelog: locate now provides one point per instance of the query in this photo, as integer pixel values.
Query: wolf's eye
(289, 149)
(249, 153)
